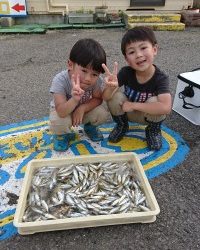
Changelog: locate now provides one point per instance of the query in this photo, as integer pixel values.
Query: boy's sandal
(61, 142)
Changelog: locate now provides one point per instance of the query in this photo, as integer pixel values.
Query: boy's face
(88, 76)
(140, 55)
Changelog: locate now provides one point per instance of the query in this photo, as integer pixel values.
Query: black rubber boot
(120, 129)
(153, 135)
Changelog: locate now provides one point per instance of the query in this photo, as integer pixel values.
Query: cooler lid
(192, 78)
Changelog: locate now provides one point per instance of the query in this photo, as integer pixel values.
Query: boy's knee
(97, 116)
(115, 104)
(118, 98)
(154, 118)
(101, 116)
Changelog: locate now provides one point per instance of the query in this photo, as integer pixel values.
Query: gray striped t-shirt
(61, 84)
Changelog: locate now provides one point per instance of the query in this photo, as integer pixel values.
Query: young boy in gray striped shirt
(77, 95)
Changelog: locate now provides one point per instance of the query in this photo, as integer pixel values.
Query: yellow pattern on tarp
(173, 147)
(6, 220)
(25, 140)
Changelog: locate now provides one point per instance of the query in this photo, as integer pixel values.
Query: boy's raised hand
(111, 78)
(77, 91)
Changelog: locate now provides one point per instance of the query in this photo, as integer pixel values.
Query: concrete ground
(28, 64)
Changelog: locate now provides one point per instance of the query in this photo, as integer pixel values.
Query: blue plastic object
(93, 132)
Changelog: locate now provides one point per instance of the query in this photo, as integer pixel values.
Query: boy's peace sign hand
(77, 91)
(111, 78)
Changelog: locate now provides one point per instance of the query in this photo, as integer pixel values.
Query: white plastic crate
(87, 221)
(187, 97)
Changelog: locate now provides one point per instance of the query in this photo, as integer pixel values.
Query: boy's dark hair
(137, 34)
(88, 52)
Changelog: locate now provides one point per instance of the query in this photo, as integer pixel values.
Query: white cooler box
(187, 97)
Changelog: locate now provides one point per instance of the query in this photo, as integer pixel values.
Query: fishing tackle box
(187, 101)
(87, 221)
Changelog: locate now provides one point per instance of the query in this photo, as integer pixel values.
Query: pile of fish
(75, 190)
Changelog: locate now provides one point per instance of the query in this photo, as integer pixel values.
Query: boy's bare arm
(95, 101)
(109, 92)
(161, 107)
(64, 107)
(111, 82)
(78, 114)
